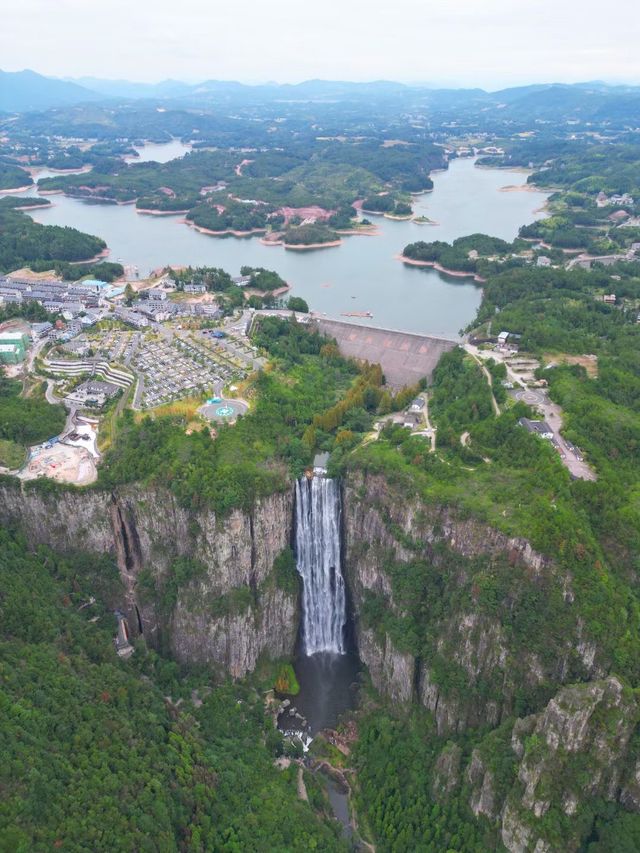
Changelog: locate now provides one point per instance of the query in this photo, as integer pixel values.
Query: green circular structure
(225, 411)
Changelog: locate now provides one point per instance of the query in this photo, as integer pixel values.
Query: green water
(361, 275)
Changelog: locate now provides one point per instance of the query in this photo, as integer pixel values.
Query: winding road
(473, 353)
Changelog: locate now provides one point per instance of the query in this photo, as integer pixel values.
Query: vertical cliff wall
(449, 611)
(197, 585)
(532, 735)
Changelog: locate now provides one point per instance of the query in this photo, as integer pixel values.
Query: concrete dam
(404, 357)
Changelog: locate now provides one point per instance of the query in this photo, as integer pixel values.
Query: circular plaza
(221, 410)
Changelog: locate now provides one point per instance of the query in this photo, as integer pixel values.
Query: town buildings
(13, 347)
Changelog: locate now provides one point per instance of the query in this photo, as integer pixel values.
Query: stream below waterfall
(327, 666)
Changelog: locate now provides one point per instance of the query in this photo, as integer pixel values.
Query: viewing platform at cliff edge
(405, 357)
(320, 462)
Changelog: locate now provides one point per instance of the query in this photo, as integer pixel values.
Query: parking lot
(233, 348)
(170, 369)
(570, 455)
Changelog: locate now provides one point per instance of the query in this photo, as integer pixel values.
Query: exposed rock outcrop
(576, 751)
(483, 797)
(146, 531)
(446, 773)
(391, 671)
(466, 670)
(540, 779)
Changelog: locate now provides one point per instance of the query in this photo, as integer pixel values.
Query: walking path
(431, 430)
(473, 353)
(302, 788)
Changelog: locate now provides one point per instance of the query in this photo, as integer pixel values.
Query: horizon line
(409, 84)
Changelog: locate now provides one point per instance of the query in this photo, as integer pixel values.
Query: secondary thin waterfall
(324, 613)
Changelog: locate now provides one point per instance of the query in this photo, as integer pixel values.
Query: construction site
(71, 458)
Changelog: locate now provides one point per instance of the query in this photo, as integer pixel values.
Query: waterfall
(318, 510)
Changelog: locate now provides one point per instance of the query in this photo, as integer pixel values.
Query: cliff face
(486, 633)
(539, 780)
(572, 751)
(446, 608)
(225, 610)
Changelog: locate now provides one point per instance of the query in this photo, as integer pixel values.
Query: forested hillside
(101, 753)
(24, 242)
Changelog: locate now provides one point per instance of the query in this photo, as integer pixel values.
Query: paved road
(34, 352)
(137, 397)
(133, 346)
(539, 399)
(431, 430)
(552, 414)
(50, 395)
(53, 399)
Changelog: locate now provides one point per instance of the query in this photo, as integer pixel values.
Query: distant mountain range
(21, 91)
(24, 91)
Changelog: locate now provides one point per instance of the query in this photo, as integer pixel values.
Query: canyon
(207, 591)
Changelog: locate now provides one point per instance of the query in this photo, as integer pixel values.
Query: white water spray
(324, 612)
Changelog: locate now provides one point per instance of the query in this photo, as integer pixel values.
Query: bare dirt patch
(62, 463)
(26, 273)
(589, 362)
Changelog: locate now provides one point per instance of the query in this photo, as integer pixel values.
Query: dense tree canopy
(24, 242)
(96, 755)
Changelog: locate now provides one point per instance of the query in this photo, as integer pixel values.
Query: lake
(160, 152)
(361, 275)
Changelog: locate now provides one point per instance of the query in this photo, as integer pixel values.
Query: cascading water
(324, 611)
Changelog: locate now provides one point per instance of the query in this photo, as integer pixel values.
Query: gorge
(362, 577)
(211, 591)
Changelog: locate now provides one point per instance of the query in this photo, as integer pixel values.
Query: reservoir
(362, 275)
(159, 152)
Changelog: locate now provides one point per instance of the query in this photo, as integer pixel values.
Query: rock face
(391, 671)
(227, 614)
(483, 798)
(576, 751)
(463, 666)
(473, 625)
(537, 779)
(446, 774)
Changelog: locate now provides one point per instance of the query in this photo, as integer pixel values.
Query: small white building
(156, 295)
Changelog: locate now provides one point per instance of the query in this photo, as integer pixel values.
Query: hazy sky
(489, 43)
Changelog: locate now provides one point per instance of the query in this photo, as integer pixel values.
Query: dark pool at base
(328, 688)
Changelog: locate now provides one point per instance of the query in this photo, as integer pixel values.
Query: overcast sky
(489, 43)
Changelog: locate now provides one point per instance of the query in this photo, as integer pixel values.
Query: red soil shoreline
(32, 206)
(301, 246)
(18, 189)
(99, 256)
(436, 266)
(225, 232)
